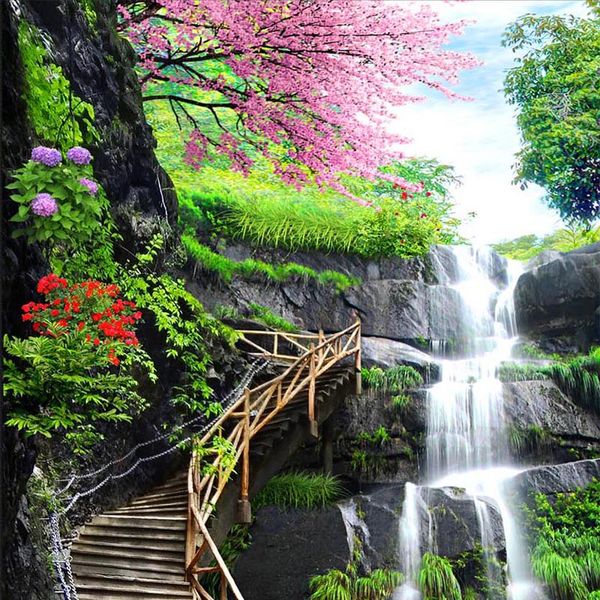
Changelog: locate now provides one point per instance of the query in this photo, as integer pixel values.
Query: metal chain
(62, 562)
(255, 368)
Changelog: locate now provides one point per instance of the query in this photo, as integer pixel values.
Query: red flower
(62, 322)
(96, 342)
(55, 312)
(27, 317)
(80, 325)
(96, 317)
(428, 194)
(404, 195)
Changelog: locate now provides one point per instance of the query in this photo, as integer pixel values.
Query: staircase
(137, 551)
(161, 544)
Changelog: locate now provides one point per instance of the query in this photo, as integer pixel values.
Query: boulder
(385, 354)
(455, 523)
(288, 548)
(555, 479)
(559, 298)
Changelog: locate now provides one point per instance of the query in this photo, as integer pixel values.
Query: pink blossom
(44, 205)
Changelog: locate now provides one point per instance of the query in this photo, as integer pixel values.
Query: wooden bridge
(161, 545)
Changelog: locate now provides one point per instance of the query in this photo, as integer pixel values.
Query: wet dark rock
(559, 299)
(541, 405)
(456, 527)
(555, 479)
(288, 548)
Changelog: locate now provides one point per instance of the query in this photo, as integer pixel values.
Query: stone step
(104, 586)
(89, 549)
(83, 568)
(145, 511)
(133, 541)
(168, 523)
(153, 569)
(161, 497)
(126, 532)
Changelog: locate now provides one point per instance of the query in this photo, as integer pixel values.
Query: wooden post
(314, 427)
(327, 446)
(223, 586)
(358, 362)
(244, 508)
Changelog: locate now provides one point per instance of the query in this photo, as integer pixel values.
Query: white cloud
(480, 138)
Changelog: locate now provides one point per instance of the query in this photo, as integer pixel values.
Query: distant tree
(556, 89)
(309, 84)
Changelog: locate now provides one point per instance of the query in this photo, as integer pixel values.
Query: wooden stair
(158, 546)
(136, 552)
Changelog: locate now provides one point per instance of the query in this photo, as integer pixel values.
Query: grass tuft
(437, 580)
(300, 490)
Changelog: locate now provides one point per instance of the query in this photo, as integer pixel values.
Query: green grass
(437, 580)
(300, 490)
(401, 402)
(227, 268)
(530, 438)
(340, 585)
(395, 380)
(565, 534)
(266, 316)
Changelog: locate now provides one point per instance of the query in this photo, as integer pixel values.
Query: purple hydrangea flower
(46, 156)
(79, 155)
(92, 186)
(44, 205)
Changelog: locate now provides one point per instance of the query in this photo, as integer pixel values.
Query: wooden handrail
(240, 423)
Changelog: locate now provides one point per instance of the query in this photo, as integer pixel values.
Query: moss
(58, 116)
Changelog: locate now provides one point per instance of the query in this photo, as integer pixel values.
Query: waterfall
(466, 443)
(414, 513)
(356, 529)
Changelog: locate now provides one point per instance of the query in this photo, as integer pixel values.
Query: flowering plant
(77, 368)
(58, 199)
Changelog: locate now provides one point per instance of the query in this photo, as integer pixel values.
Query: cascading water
(466, 441)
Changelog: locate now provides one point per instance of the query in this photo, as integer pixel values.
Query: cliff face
(98, 65)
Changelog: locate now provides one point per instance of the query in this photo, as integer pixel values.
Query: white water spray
(466, 435)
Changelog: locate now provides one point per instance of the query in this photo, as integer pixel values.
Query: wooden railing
(211, 465)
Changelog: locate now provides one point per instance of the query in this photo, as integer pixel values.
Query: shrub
(339, 585)
(76, 369)
(395, 379)
(437, 580)
(57, 202)
(565, 533)
(401, 402)
(300, 490)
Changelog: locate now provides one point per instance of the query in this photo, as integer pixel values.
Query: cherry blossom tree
(308, 84)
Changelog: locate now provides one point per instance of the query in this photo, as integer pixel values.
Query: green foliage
(566, 537)
(57, 116)
(89, 12)
(339, 585)
(401, 402)
(522, 372)
(395, 379)
(63, 383)
(183, 321)
(530, 438)
(300, 490)
(276, 217)
(379, 437)
(266, 316)
(563, 240)
(79, 212)
(322, 220)
(531, 351)
(555, 89)
(226, 268)
(237, 541)
(437, 580)
(359, 461)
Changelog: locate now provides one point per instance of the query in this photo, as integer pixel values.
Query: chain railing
(66, 589)
(245, 419)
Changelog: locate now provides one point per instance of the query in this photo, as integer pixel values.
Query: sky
(480, 138)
